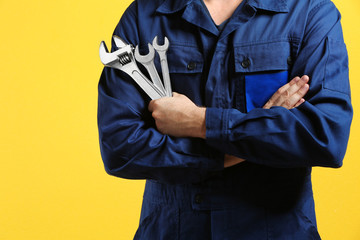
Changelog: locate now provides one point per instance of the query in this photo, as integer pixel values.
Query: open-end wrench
(148, 62)
(123, 59)
(161, 49)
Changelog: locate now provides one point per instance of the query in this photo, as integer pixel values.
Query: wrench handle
(146, 85)
(150, 67)
(166, 74)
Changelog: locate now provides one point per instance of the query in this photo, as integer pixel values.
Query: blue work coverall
(232, 72)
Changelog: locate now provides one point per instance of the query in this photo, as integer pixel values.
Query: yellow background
(52, 181)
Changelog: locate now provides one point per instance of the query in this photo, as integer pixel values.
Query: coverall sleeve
(131, 147)
(314, 134)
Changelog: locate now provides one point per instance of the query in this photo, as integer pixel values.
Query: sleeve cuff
(216, 123)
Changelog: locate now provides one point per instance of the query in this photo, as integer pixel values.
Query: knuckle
(286, 93)
(287, 103)
(279, 91)
(296, 79)
(155, 103)
(152, 106)
(155, 115)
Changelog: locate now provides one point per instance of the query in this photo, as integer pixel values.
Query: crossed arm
(313, 134)
(178, 116)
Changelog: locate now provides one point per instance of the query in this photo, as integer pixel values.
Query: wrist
(201, 123)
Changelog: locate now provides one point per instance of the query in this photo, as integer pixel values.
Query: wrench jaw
(163, 47)
(119, 43)
(108, 59)
(116, 59)
(145, 58)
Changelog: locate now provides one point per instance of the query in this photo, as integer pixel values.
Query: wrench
(148, 62)
(123, 59)
(161, 50)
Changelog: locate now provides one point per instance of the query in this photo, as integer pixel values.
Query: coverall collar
(170, 6)
(195, 13)
(278, 6)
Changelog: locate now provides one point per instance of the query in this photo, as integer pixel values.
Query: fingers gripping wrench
(123, 59)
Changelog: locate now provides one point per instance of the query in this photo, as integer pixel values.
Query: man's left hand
(178, 116)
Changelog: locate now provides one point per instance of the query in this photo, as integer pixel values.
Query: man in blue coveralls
(221, 160)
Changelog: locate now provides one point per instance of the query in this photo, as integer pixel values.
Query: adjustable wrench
(161, 50)
(123, 59)
(148, 62)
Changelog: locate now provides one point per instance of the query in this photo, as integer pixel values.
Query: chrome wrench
(161, 50)
(148, 62)
(123, 59)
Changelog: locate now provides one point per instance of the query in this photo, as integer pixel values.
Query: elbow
(118, 168)
(111, 169)
(337, 152)
(337, 142)
(114, 162)
(334, 160)
(114, 172)
(332, 145)
(332, 156)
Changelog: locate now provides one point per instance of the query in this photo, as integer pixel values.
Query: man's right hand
(288, 96)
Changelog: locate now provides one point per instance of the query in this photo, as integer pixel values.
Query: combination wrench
(161, 50)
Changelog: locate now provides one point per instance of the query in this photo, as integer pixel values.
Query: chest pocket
(186, 67)
(264, 68)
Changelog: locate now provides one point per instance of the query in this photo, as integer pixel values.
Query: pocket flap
(184, 59)
(271, 56)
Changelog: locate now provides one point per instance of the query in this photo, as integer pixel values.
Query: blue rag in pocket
(260, 87)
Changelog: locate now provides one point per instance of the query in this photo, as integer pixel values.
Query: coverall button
(198, 198)
(290, 61)
(245, 63)
(191, 66)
